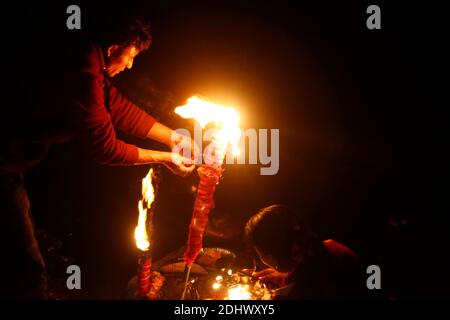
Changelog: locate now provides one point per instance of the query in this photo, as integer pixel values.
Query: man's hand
(173, 161)
(270, 275)
(179, 165)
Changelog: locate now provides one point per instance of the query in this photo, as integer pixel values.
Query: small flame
(240, 292)
(225, 118)
(148, 196)
(216, 285)
(230, 272)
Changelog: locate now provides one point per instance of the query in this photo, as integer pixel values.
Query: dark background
(362, 122)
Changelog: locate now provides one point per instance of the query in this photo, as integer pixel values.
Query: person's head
(123, 43)
(277, 236)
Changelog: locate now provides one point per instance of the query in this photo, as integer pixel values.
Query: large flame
(148, 195)
(226, 119)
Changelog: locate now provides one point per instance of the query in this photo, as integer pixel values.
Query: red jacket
(80, 102)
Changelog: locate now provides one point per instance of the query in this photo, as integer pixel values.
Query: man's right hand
(271, 275)
(180, 165)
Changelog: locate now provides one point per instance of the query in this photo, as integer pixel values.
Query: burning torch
(141, 235)
(226, 132)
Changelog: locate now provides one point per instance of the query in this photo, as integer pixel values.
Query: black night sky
(361, 117)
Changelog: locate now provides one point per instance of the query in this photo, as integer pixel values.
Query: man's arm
(95, 127)
(128, 117)
(163, 134)
(173, 161)
(99, 136)
(95, 123)
(131, 119)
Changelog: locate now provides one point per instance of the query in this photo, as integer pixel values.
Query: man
(77, 101)
(303, 266)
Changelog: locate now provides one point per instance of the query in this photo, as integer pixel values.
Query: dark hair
(274, 229)
(134, 31)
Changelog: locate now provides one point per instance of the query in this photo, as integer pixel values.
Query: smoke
(143, 91)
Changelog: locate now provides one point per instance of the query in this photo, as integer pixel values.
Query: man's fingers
(264, 272)
(188, 169)
(187, 162)
(266, 278)
(183, 169)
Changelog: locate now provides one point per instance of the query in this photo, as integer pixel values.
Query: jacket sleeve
(127, 117)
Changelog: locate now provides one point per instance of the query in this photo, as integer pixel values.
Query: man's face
(285, 264)
(119, 59)
(266, 258)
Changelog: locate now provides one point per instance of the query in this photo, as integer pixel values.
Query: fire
(148, 195)
(232, 286)
(226, 119)
(240, 292)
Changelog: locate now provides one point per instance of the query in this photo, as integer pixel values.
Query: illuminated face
(119, 59)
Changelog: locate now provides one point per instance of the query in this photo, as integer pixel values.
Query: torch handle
(204, 202)
(187, 272)
(144, 275)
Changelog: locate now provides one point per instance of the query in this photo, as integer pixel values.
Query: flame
(148, 196)
(240, 292)
(225, 118)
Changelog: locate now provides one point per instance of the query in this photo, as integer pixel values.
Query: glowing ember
(235, 287)
(148, 195)
(240, 292)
